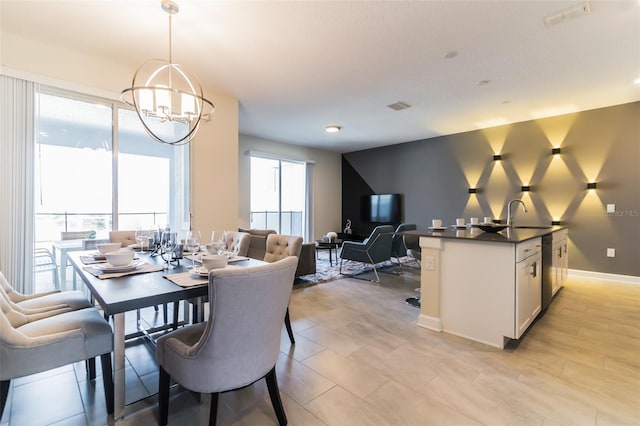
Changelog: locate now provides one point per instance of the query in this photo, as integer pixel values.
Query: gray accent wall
(602, 146)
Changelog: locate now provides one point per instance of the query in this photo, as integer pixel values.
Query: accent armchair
(238, 344)
(398, 247)
(373, 250)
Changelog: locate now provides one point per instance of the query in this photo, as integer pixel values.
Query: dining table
(147, 285)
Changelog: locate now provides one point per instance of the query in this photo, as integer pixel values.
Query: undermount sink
(531, 227)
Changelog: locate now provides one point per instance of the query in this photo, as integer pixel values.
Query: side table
(329, 245)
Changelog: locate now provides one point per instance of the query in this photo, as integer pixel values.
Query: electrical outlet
(611, 208)
(429, 263)
(611, 252)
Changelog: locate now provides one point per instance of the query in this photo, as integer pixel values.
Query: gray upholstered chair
(373, 250)
(238, 344)
(237, 242)
(32, 344)
(278, 247)
(398, 247)
(49, 300)
(258, 242)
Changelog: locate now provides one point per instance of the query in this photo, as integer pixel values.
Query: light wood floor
(361, 360)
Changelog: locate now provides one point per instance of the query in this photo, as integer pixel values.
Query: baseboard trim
(602, 276)
(432, 323)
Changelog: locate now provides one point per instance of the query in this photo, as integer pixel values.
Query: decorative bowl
(492, 227)
(120, 257)
(214, 261)
(108, 247)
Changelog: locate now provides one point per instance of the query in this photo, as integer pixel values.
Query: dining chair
(278, 247)
(49, 299)
(48, 342)
(237, 242)
(238, 344)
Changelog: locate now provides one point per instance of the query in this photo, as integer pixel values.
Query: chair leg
(213, 411)
(91, 368)
(4, 394)
(274, 393)
(163, 396)
(287, 323)
(107, 381)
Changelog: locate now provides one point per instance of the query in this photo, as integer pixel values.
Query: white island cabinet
(485, 287)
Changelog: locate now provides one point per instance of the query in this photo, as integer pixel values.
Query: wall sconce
(555, 222)
(525, 188)
(473, 190)
(592, 185)
(555, 151)
(497, 157)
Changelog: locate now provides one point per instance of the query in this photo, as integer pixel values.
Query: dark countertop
(509, 235)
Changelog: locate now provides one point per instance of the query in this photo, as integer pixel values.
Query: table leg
(118, 365)
(330, 258)
(63, 269)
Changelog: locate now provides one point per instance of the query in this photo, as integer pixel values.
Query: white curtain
(17, 130)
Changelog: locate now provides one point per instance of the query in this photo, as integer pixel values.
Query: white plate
(107, 267)
(437, 228)
(459, 226)
(200, 271)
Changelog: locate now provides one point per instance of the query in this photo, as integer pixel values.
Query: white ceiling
(297, 66)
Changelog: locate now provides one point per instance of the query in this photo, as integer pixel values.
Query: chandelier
(164, 94)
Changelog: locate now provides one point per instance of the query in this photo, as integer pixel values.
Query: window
(97, 170)
(279, 196)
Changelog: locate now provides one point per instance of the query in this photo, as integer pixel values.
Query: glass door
(278, 196)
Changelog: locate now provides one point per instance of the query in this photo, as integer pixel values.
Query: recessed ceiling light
(483, 82)
(332, 129)
(506, 102)
(451, 54)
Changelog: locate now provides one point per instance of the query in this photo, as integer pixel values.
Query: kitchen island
(487, 287)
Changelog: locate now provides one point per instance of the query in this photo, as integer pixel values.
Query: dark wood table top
(131, 292)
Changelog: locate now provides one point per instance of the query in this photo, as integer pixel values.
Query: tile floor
(361, 360)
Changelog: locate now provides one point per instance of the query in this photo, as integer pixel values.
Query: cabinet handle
(534, 270)
(560, 252)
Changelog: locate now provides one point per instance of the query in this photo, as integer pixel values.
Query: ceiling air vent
(399, 106)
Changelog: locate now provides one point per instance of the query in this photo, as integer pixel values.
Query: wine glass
(142, 236)
(192, 242)
(218, 241)
(168, 243)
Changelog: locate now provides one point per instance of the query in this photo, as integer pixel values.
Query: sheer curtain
(17, 118)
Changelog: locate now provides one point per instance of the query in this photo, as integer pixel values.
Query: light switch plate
(611, 252)
(429, 263)
(611, 208)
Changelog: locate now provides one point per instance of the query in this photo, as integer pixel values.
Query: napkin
(144, 268)
(187, 279)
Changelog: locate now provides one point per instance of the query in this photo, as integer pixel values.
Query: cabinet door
(528, 293)
(535, 286)
(556, 267)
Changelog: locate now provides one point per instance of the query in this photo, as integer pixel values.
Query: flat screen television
(381, 208)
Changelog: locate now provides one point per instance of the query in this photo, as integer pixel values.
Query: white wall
(214, 152)
(327, 180)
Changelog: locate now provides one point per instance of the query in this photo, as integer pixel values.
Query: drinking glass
(218, 241)
(192, 241)
(168, 242)
(142, 236)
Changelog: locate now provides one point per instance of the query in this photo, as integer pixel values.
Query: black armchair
(373, 250)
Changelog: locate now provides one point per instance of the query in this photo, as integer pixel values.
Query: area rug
(326, 272)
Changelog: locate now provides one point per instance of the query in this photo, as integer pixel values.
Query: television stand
(352, 237)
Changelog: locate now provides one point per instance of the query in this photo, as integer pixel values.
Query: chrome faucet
(509, 214)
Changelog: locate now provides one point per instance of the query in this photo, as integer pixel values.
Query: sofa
(258, 244)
